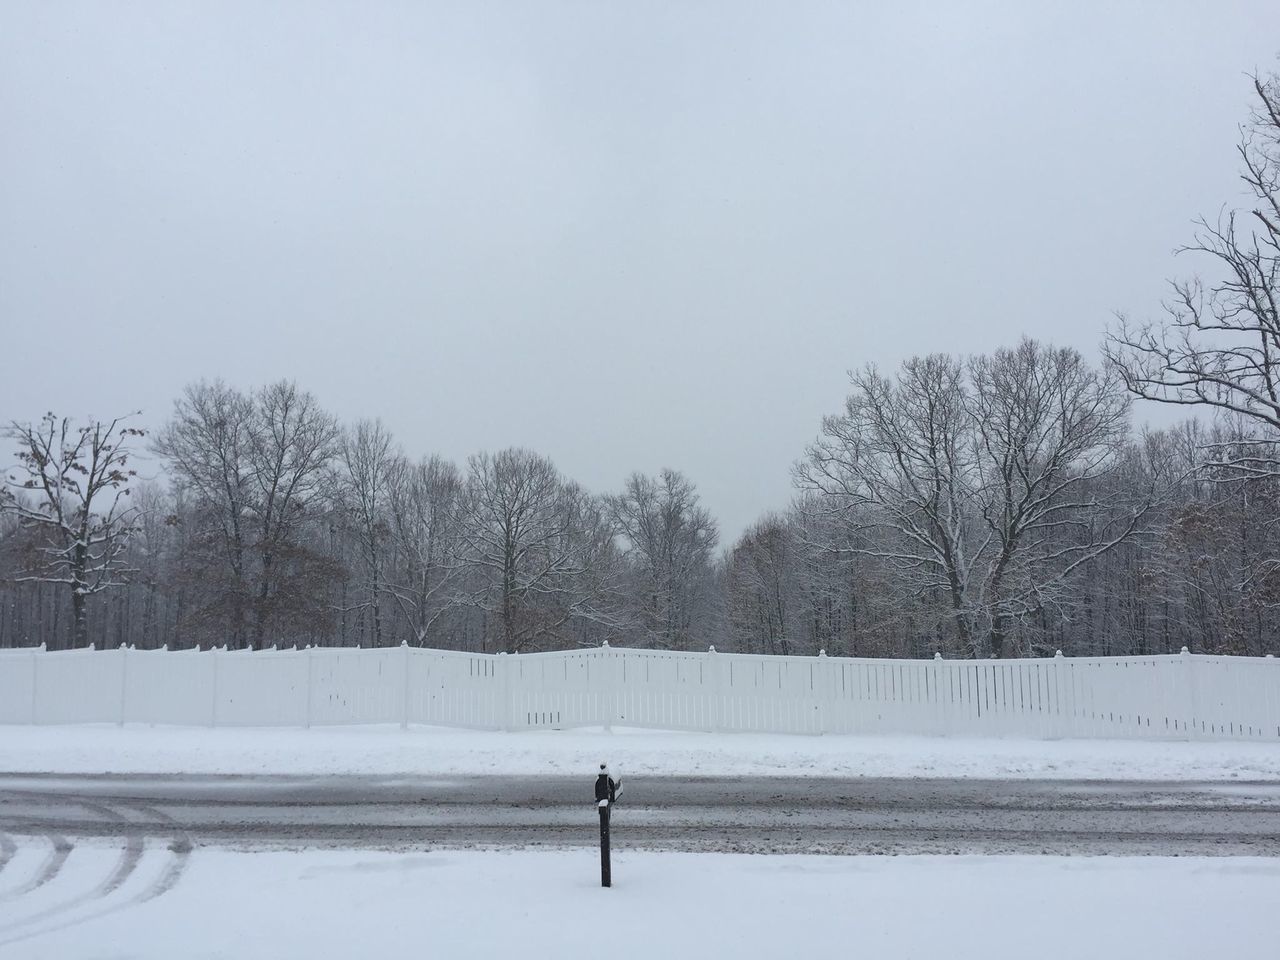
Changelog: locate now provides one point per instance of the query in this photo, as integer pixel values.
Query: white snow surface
(429, 751)
(457, 905)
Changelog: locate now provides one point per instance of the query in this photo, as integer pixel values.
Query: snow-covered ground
(385, 750)
(343, 904)
(129, 897)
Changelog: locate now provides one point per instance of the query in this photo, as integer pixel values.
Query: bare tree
(1220, 546)
(670, 538)
(256, 464)
(978, 483)
(1049, 427)
(829, 578)
(207, 446)
(536, 549)
(592, 590)
(1218, 345)
(292, 442)
(898, 466)
(151, 553)
(761, 585)
(364, 488)
(423, 501)
(70, 486)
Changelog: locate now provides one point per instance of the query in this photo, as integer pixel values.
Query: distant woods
(991, 505)
(280, 526)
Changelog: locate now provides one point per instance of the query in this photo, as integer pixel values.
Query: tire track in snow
(60, 849)
(7, 849)
(130, 854)
(130, 857)
(180, 847)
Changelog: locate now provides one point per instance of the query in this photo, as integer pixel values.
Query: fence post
(606, 699)
(1193, 694)
(404, 719)
(35, 683)
(124, 682)
(1070, 722)
(503, 666)
(714, 711)
(940, 712)
(310, 680)
(213, 701)
(1273, 716)
(821, 688)
(1055, 667)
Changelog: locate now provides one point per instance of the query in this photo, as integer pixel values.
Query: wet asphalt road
(755, 815)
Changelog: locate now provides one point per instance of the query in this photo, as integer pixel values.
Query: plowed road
(732, 814)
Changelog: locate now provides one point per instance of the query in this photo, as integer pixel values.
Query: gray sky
(626, 235)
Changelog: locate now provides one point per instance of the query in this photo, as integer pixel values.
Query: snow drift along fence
(1180, 696)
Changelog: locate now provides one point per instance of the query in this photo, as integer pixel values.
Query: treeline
(993, 505)
(280, 526)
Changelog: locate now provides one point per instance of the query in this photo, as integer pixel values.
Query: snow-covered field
(427, 751)
(532, 905)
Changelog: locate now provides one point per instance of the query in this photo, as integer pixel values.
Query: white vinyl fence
(1181, 696)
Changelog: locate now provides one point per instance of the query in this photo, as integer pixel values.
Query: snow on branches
(1218, 345)
(69, 488)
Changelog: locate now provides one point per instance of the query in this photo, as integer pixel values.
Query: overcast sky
(626, 235)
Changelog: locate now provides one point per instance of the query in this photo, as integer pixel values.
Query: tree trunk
(508, 606)
(998, 635)
(260, 608)
(80, 619)
(376, 590)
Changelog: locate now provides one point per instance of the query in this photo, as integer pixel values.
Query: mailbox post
(607, 789)
(606, 879)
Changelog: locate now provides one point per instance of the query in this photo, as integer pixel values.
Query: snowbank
(381, 750)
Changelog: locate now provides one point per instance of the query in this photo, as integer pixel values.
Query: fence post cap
(1057, 654)
(711, 649)
(604, 644)
(41, 647)
(93, 646)
(123, 645)
(822, 652)
(937, 655)
(1186, 652)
